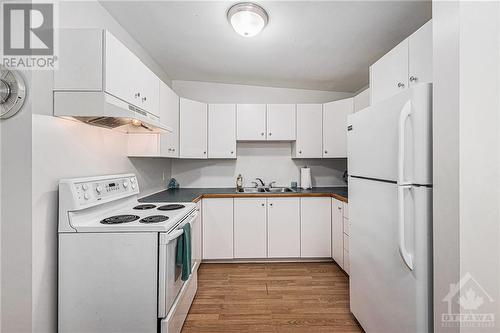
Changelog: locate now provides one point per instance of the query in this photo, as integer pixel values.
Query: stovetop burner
(154, 219)
(120, 219)
(171, 207)
(144, 207)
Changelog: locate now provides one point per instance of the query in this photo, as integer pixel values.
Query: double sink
(266, 190)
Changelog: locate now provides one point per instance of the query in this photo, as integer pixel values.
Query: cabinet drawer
(346, 242)
(346, 226)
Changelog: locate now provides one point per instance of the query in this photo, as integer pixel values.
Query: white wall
(63, 148)
(269, 161)
(466, 155)
(209, 92)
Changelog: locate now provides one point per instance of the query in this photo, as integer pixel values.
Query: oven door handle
(188, 219)
(178, 231)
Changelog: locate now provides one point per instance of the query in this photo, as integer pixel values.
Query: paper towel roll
(305, 178)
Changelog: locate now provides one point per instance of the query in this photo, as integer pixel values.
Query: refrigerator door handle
(403, 251)
(403, 116)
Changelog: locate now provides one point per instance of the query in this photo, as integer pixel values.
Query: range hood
(101, 109)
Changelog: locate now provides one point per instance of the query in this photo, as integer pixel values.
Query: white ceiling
(323, 45)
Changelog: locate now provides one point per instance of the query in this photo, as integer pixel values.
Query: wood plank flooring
(271, 297)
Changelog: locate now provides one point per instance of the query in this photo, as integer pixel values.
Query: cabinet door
(337, 232)
(217, 222)
(250, 228)
(335, 127)
(283, 227)
(420, 55)
(169, 115)
(193, 129)
(251, 122)
(315, 226)
(281, 124)
(389, 75)
(196, 238)
(122, 68)
(222, 131)
(150, 89)
(309, 142)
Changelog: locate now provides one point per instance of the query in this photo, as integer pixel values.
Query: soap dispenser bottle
(239, 183)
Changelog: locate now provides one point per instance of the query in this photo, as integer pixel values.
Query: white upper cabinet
(251, 122)
(281, 122)
(410, 62)
(250, 231)
(95, 60)
(389, 75)
(283, 227)
(315, 226)
(335, 127)
(309, 143)
(221, 131)
(193, 126)
(169, 114)
(420, 55)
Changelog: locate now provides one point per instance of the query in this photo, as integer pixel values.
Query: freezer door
(393, 133)
(386, 294)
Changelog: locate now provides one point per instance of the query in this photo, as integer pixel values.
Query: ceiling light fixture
(247, 19)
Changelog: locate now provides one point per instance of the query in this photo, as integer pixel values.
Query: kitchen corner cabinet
(335, 127)
(217, 222)
(283, 227)
(221, 131)
(409, 63)
(193, 129)
(250, 228)
(315, 226)
(309, 142)
(251, 122)
(281, 122)
(337, 232)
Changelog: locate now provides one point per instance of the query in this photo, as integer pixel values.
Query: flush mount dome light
(247, 19)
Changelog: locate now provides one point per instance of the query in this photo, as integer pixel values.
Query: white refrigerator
(390, 207)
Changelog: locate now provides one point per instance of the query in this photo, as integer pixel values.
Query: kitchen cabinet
(389, 75)
(410, 62)
(335, 127)
(283, 227)
(315, 226)
(250, 228)
(221, 131)
(169, 114)
(251, 122)
(193, 129)
(196, 242)
(337, 232)
(217, 222)
(281, 122)
(309, 143)
(95, 60)
(420, 55)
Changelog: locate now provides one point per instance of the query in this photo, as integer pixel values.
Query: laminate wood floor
(271, 297)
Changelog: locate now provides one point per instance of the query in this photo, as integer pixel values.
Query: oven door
(169, 274)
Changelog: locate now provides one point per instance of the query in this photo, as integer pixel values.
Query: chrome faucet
(271, 184)
(261, 182)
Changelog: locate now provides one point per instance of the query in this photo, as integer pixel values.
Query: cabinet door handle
(204, 152)
(143, 99)
(413, 78)
(300, 151)
(262, 134)
(137, 95)
(271, 204)
(270, 133)
(401, 85)
(262, 205)
(326, 151)
(232, 152)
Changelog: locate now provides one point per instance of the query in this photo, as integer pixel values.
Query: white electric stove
(117, 267)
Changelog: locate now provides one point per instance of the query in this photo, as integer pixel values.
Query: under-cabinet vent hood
(104, 110)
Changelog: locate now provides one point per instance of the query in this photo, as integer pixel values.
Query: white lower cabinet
(315, 225)
(337, 232)
(217, 228)
(250, 228)
(283, 227)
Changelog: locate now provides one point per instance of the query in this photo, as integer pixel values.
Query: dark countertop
(195, 194)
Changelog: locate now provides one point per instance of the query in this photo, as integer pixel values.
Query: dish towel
(183, 257)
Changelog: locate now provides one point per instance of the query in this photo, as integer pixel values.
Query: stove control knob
(125, 184)
(86, 196)
(132, 180)
(85, 187)
(133, 186)
(98, 189)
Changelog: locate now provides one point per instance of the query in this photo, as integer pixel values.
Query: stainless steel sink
(252, 190)
(279, 189)
(266, 190)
